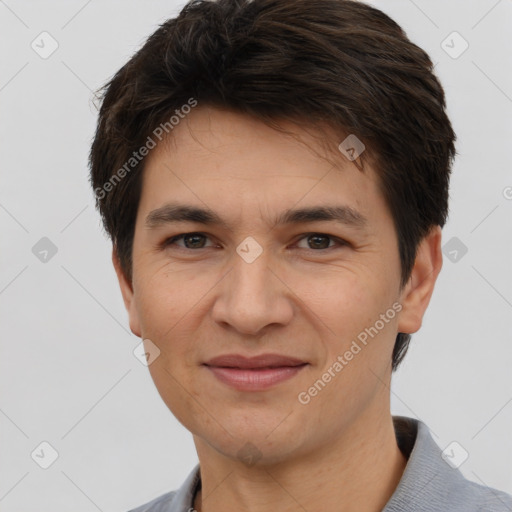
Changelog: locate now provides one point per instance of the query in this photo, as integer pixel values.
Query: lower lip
(254, 380)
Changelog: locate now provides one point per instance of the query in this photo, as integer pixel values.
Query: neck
(357, 473)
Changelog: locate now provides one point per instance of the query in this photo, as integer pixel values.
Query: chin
(264, 442)
(257, 454)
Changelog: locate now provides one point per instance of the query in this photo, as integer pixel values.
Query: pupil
(194, 239)
(315, 239)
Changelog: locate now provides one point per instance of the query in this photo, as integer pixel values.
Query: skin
(338, 452)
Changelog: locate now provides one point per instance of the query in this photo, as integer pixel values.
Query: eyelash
(341, 243)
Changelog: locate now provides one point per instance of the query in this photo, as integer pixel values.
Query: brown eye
(194, 241)
(190, 241)
(320, 241)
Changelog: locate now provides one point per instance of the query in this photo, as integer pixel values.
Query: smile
(254, 379)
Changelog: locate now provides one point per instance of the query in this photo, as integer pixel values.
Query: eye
(315, 241)
(190, 240)
(318, 241)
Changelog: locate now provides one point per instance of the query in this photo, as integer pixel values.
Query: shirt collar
(428, 482)
(427, 477)
(184, 499)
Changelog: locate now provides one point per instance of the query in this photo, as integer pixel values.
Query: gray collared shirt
(428, 484)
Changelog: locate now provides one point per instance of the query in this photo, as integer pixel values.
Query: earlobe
(417, 292)
(128, 295)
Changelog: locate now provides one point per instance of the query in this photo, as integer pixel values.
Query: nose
(253, 296)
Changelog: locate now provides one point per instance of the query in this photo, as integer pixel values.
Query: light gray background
(68, 375)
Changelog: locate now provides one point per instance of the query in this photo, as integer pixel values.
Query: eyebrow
(172, 212)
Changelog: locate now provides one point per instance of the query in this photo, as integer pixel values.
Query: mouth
(254, 373)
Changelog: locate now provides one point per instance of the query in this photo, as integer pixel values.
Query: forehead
(209, 132)
(232, 162)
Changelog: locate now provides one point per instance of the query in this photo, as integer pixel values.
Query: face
(295, 257)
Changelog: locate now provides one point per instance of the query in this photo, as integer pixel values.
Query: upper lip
(261, 361)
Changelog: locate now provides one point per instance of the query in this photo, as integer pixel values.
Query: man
(274, 176)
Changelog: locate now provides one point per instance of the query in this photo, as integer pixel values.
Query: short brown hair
(340, 62)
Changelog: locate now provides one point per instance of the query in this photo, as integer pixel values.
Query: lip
(255, 362)
(254, 373)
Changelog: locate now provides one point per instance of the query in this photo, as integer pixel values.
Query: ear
(128, 295)
(416, 294)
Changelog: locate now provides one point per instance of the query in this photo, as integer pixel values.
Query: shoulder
(481, 498)
(160, 504)
(180, 500)
(430, 483)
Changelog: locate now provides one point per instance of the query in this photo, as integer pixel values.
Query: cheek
(345, 300)
(179, 393)
(163, 297)
(358, 311)
(171, 307)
